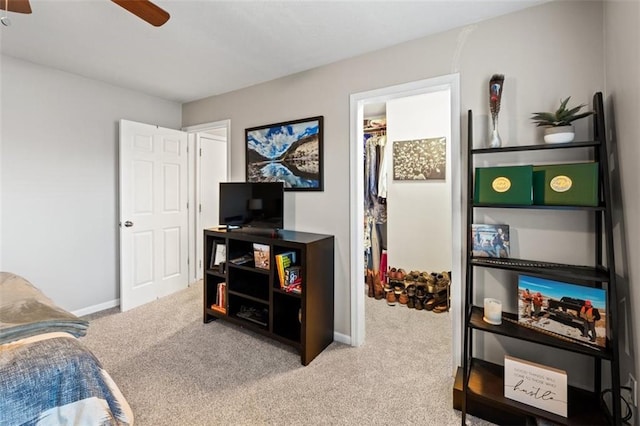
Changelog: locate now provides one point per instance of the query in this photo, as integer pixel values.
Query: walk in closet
(407, 196)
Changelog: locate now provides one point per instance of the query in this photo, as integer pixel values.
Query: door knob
(128, 224)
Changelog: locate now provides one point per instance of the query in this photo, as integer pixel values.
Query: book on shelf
(294, 288)
(292, 275)
(283, 261)
(261, 255)
(219, 309)
(221, 298)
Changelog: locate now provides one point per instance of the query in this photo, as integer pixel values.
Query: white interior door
(153, 213)
(212, 169)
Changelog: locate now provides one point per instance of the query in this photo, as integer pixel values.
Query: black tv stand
(246, 295)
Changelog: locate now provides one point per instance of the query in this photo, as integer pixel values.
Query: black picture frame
(218, 255)
(290, 152)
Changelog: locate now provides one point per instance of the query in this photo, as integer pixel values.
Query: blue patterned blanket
(47, 376)
(52, 379)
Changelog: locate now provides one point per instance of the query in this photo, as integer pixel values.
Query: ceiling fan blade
(18, 6)
(146, 10)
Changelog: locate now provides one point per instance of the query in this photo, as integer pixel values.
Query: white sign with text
(537, 385)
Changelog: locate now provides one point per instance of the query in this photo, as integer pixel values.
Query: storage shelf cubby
(287, 316)
(249, 282)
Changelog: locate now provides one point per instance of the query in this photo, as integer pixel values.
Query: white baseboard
(341, 338)
(96, 308)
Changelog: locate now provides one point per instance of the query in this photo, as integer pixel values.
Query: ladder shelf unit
(480, 384)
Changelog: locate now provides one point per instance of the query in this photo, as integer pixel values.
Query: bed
(48, 376)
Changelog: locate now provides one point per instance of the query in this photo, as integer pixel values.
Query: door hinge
(187, 205)
(187, 149)
(200, 208)
(200, 152)
(199, 264)
(188, 261)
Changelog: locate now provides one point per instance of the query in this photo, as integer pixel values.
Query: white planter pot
(561, 134)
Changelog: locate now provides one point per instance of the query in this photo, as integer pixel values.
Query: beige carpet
(176, 370)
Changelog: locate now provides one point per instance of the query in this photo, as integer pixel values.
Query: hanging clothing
(382, 169)
(371, 171)
(374, 204)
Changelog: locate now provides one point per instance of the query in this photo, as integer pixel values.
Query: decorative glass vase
(495, 141)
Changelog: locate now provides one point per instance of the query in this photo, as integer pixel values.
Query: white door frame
(357, 102)
(195, 184)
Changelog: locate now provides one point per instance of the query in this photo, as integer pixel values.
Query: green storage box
(504, 185)
(566, 184)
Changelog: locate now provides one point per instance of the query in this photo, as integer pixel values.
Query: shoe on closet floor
(442, 307)
(391, 298)
(437, 299)
(411, 290)
(418, 304)
(370, 290)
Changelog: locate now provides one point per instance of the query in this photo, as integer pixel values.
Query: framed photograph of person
(289, 152)
(261, 255)
(219, 255)
(567, 310)
(490, 240)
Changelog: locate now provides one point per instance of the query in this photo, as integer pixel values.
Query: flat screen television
(252, 205)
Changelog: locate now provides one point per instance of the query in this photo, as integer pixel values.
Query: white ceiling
(210, 47)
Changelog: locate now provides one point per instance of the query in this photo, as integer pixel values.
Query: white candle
(492, 311)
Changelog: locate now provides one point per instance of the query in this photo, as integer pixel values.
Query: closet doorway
(407, 112)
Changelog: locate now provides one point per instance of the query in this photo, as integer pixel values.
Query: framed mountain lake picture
(289, 152)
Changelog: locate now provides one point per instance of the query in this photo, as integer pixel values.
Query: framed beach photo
(564, 310)
(290, 152)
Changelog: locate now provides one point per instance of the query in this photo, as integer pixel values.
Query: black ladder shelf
(480, 383)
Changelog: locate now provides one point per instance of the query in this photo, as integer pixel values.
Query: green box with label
(574, 184)
(504, 185)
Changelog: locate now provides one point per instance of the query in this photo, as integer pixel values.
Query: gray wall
(524, 46)
(58, 174)
(622, 103)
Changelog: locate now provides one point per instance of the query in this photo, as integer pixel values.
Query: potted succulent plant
(558, 127)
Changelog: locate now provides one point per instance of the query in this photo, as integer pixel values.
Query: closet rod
(376, 129)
